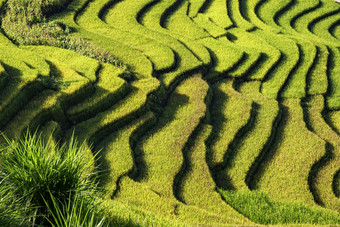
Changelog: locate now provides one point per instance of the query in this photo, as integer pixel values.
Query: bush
(52, 180)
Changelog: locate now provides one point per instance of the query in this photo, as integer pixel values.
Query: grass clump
(54, 182)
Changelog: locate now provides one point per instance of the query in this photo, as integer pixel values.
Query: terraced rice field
(231, 117)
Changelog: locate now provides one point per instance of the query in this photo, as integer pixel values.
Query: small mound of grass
(54, 182)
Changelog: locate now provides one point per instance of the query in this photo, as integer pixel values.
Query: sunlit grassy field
(193, 112)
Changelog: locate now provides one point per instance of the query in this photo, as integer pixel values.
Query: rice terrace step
(189, 112)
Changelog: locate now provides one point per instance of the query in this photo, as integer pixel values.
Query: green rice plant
(21, 59)
(85, 66)
(186, 60)
(14, 95)
(122, 112)
(139, 197)
(124, 214)
(3, 77)
(325, 170)
(234, 13)
(116, 154)
(274, 81)
(162, 147)
(251, 59)
(162, 57)
(255, 44)
(205, 22)
(322, 25)
(242, 153)
(298, 9)
(198, 188)
(335, 30)
(178, 21)
(296, 83)
(333, 118)
(333, 92)
(25, 23)
(50, 132)
(262, 209)
(317, 80)
(251, 13)
(196, 7)
(224, 57)
(230, 112)
(217, 11)
(69, 87)
(302, 23)
(38, 109)
(294, 152)
(268, 10)
(36, 171)
(109, 89)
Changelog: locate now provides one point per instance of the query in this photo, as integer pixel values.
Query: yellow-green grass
(269, 9)
(85, 66)
(162, 147)
(334, 120)
(335, 30)
(292, 157)
(262, 209)
(234, 13)
(50, 132)
(156, 17)
(224, 57)
(323, 25)
(116, 154)
(333, 94)
(142, 198)
(49, 103)
(302, 23)
(218, 13)
(255, 44)
(275, 80)
(317, 80)
(196, 6)
(123, 214)
(177, 21)
(251, 12)
(208, 25)
(298, 9)
(296, 83)
(327, 167)
(161, 56)
(243, 155)
(126, 109)
(230, 112)
(124, 44)
(109, 89)
(21, 59)
(3, 77)
(135, 61)
(17, 93)
(185, 59)
(198, 188)
(38, 107)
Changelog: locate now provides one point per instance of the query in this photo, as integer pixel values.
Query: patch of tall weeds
(54, 182)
